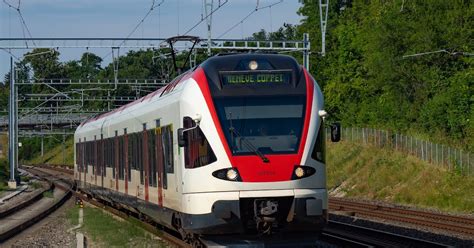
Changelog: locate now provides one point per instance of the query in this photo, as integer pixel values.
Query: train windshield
(265, 125)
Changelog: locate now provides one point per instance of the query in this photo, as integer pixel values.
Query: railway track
(66, 174)
(356, 236)
(337, 233)
(29, 211)
(444, 222)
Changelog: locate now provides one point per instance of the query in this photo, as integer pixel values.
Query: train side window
(198, 151)
(98, 155)
(140, 157)
(167, 137)
(113, 158)
(102, 148)
(160, 160)
(94, 155)
(135, 151)
(133, 148)
(78, 156)
(107, 151)
(86, 156)
(129, 156)
(152, 158)
(121, 158)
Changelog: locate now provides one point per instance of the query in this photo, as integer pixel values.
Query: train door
(86, 160)
(164, 159)
(146, 162)
(95, 160)
(125, 150)
(151, 168)
(78, 161)
(159, 163)
(102, 160)
(116, 159)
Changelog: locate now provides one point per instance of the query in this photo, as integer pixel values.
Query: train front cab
(253, 148)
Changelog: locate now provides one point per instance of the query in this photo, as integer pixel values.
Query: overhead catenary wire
(205, 17)
(11, 54)
(438, 51)
(247, 16)
(150, 10)
(22, 19)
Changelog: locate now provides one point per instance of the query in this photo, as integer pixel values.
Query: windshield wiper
(248, 144)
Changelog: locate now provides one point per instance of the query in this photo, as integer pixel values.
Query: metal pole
(208, 8)
(15, 126)
(11, 128)
(323, 18)
(306, 51)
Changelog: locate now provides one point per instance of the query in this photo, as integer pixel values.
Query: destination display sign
(258, 77)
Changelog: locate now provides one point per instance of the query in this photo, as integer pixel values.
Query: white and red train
(235, 145)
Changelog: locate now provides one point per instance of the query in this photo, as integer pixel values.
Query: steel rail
(9, 233)
(372, 237)
(27, 202)
(457, 224)
(150, 227)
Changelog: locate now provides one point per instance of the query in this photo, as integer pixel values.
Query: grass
(48, 194)
(384, 174)
(3, 146)
(35, 185)
(73, 215)
(106, 230)
(55, 155)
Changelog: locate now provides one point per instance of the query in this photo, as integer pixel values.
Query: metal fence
(442, 155)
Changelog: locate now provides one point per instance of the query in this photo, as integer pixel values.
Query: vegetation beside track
(105, 230)
(354, 170)
(55, 155)
(3, 174)
(3, 146)
(3, 162)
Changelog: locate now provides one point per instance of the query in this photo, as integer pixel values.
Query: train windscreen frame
(271, 124)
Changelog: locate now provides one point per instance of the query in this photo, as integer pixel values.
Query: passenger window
(121, 156)
(86, 156)
(152, 158)
(197, 151)
(140, 157)
(167, 138)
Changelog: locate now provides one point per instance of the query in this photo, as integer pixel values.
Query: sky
(117, 18)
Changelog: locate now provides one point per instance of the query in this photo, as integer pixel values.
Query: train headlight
(302, 171)
(232, 174)
(253, 65)
(299, 172)
(229, 174)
